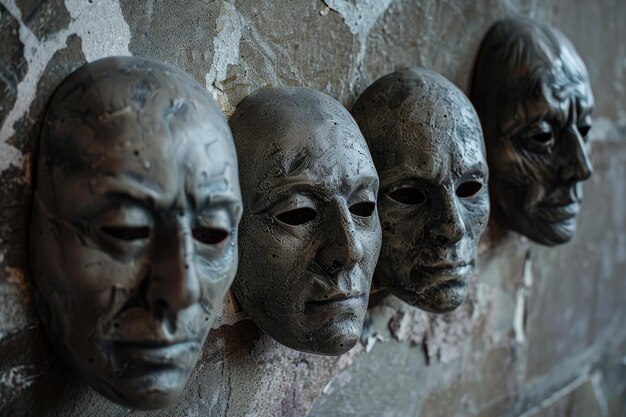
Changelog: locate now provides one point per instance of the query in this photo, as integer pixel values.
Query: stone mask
(310, 232)
(531, 91)
(134, 230)
(427, 145)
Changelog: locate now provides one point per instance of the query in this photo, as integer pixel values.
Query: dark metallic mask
(532, 93)
(134, 230)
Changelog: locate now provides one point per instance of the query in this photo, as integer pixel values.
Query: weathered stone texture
(13, 66)
(44, 17)
(178, 32)
(542, 333)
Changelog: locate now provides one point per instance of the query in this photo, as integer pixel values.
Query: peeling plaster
(371, 341)
(273, 368)
(442, 336)
(519, 319)
(360, 17)
(109, 37)
(596, 385)
(230, 24)
(10, 156)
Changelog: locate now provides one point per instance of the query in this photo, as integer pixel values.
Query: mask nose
(174, 284)
(341, 249)
(448, 227)
(576, 163)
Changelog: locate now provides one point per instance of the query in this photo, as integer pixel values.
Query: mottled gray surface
(542, 331)
(310, 237)
(428, 147)
(12, 62)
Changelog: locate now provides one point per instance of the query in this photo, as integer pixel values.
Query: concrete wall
(543, 332)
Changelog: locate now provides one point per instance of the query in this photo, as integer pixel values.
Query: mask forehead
(319, 160)
(302, 137)
(146, 123)
(437, 137)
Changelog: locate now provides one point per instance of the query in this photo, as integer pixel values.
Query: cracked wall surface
(542, 333)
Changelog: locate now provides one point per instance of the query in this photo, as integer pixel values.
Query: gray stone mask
(427, 145)
(310, 232)
(531, 91)
(134, 230)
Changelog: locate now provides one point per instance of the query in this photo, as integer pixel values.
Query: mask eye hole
(297, 217)
(408, 195)
(542, 138)
(584, 130)
(468, 189)
(364, 209)
(127, 233)
(209, 235)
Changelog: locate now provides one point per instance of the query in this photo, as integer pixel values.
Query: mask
(532, 93)
(427, 145)
(133, 237)
(310, 233)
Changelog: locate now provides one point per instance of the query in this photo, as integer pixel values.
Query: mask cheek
(215, 282)
(372, 243)
(476, 215)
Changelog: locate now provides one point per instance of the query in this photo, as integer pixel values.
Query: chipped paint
(230, 24)
(360, 16)
(371, 341)
(596, 385)
(110, 37)
(519, 319)
(10, 156)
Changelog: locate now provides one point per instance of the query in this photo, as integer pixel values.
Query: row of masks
(148, 203)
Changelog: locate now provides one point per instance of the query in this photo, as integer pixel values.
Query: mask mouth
(432, 293)
(560, 196)
(138, 358)
(561, 205)
(336, 296)
(558, 214)
(437, 258)
(446, 265)
(425, 276)
(147, 344)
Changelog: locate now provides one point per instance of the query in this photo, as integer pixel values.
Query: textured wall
(542, 333)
